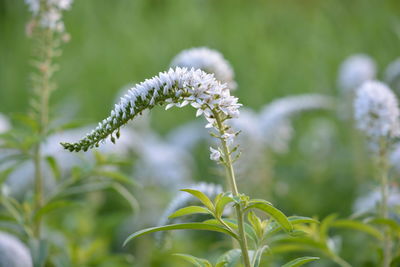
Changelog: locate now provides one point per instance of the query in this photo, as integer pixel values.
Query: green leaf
(300, 261)
(39, 251)
(189, 210)
(274, 213)
(275, 227)
(116, 176)
(220, 202)
(230, 258)
(256, 260)
(394, 225)
(325, 225)
(356, 225)
(125, 193)
(255, 201)
(54, 167)
(13, 207)
(181, 226)
(202, 197)
(256, 224)
(194, 260)
(49, 207)
(233, 224)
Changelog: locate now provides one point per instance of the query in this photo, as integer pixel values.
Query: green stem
(44, 90)
(384, 212)
(232, 182)
(341, 262)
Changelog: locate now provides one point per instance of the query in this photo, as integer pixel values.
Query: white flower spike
(176, 86)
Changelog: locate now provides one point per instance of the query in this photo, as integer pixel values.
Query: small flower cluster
(208, 60)
(376, 111)
(49, 15)
(354, 71)
(176, 87)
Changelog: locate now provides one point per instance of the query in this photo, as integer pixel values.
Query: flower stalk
(232, 183)
(43, 89)
(383, 167)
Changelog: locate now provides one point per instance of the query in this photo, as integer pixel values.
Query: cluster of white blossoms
(208, 60)
(49, 12)
(354, 71)
(176, 87)
(376, 111)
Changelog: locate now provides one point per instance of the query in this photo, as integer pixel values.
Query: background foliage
(277, 48)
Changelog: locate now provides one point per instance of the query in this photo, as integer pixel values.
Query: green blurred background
(277, 48)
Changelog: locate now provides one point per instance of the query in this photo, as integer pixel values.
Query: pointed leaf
(189, 210)
(300, 261)
(194, 260)
(125, 193)
(274, 213)
(356, 225)
(275, 227)
(49, 207)
(233, 224)
(116, 176)
(220, 203)
(181, 226)
(202, 197)
(256, 260)
(394, 225)
(230, 258)
(54, 167)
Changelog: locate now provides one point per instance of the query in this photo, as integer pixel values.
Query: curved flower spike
(176, 87)
(208, 60)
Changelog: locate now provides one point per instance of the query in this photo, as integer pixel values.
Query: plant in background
(48, 31)
(377, 116)
(29, 156)
(180, 87)
(208, 60)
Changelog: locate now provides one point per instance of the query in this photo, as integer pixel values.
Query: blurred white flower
(376, 111)
(52, 19)
(161, 163)
(275, 117)
(188, 135)
(61, 4)
(4, 124)
(354, 71)
(371, 200)
(392, 75)
(13, 253)
(318, 141)
(34, 6)
(395, 157)
(208, 60)
(51, 15)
